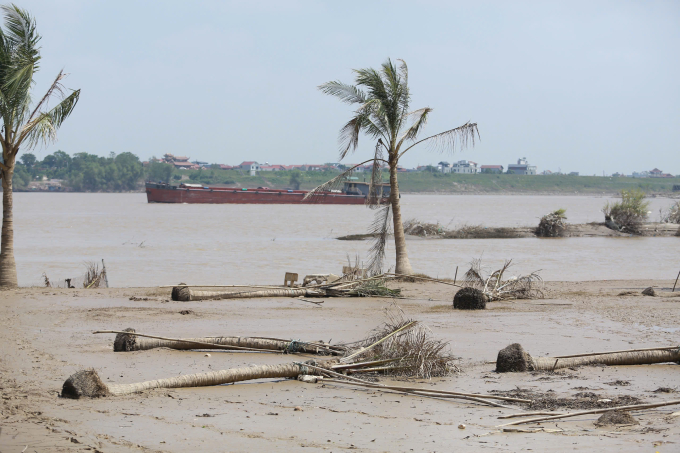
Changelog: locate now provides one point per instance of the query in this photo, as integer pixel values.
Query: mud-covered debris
(649, 292)
(616, 418)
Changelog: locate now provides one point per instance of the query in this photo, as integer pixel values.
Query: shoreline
(287, 415)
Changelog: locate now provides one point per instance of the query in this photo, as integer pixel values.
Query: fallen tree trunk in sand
(514, 358)
(635, 407)
(129, 340)
(186, 294)
(88, 384)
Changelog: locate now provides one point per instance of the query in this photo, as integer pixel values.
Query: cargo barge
(352, 193)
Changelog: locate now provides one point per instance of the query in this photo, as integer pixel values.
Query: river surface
(160, 244)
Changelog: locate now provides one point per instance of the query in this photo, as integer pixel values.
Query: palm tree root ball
(469, 299)
(85, 383)
(512, 359)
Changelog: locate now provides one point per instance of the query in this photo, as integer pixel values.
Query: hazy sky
(586, 86)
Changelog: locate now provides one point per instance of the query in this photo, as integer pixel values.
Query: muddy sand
(46, 335)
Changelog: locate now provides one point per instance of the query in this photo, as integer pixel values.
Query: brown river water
(160, 244)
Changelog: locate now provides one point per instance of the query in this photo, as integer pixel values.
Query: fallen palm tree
(400, 346)
(345, 287)
(514, 358)
(129, 340)
(497, 287)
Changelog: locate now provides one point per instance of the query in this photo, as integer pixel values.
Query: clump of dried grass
(411, 352)
(672, 214)
(94, 277)
(497, 287)
(416, 228)
(481, 232)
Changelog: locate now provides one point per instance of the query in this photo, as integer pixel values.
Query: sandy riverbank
(47, 336)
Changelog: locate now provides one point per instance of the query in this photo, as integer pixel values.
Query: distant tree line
(83, 172)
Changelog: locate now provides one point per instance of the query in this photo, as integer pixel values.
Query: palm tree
(384, 114)
(22, 124)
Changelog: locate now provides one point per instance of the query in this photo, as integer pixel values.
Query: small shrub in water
(628, 214)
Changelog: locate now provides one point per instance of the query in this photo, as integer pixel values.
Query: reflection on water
(229, 244)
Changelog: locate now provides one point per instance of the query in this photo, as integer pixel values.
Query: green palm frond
(459, 137)
(44, 127)
(419, 121)
(346, 93)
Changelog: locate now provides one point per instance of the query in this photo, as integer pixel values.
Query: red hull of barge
(218, 195)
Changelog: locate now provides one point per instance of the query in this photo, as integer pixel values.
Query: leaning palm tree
(22, 123)
(384, 114)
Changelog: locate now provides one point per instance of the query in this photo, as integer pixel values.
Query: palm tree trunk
(514, 358)
(403, 263)
(187, 294)
(87, 383)
(611, 359)
(8, 267)
(131, 342)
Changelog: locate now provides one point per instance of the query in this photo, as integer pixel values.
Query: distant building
(272, 168)
(465, 166)
(522, 167)
(491, 168)
(640, 174)
(444, 167)
(573, 173)
(180, 162)
(656, 173)
(250, 166)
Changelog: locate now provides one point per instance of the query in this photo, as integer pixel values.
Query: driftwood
(405, 346)
(635, 407)
(514, 358)
(129, 340)
(372, 286)
(187, 294)
(87, 383)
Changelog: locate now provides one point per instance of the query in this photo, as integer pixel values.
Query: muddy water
(156, 244)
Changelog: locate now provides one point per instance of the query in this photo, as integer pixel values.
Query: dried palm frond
(381, 228)
(406, 348)
(93, 276)
(335, 183)
(497, 287)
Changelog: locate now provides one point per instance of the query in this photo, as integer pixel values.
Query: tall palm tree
(384, 114)
(22, 123)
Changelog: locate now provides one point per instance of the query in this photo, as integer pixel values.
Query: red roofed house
(250, 166)
(272, 167)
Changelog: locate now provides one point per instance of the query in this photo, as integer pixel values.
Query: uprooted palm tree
(398, 347)
(514, 358)
(384, 114)
(22, 123)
